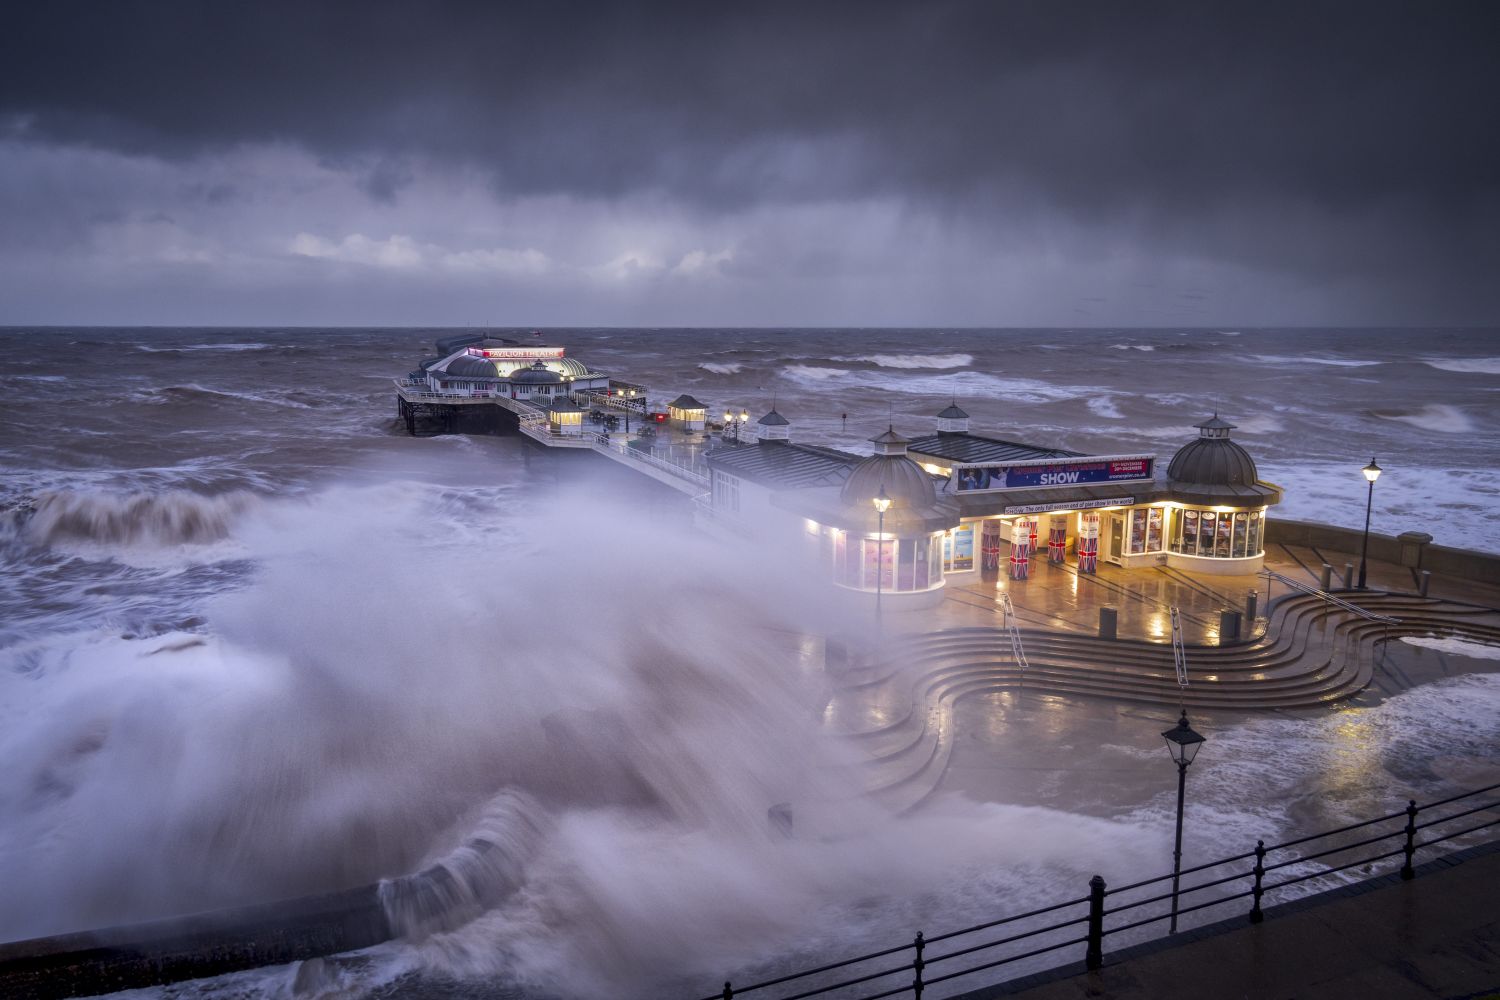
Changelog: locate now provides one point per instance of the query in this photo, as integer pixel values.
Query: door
(1116, 539)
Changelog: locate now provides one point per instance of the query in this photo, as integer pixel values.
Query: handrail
(1149, 908)
(1008, 611)
(1329, 598)
(636, 455)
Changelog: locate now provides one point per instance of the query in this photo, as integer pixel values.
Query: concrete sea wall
(1413, 549)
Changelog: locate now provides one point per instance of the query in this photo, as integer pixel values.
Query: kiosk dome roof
(904, 481)
(953, 413)
(469, 366)
(1213, 459)
(537, 374)
(774, 419)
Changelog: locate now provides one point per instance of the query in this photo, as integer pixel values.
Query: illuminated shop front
(1207, 513)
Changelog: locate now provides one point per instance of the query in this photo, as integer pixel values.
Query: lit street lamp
(734, 423)
(882, 504)
(1183, 744)
(1372, 473)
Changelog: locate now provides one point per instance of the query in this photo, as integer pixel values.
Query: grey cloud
(1342, 143)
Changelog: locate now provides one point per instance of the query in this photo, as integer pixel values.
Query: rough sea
(257, 642)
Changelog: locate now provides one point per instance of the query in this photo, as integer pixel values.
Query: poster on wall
(958, 549)
(1065, 473)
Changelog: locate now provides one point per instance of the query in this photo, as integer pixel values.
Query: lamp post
(1372, 473)
(882, 504)
(1183, 744)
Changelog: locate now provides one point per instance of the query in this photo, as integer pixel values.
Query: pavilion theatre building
(953, 504)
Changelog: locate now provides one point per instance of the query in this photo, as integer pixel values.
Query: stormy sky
(810, 163)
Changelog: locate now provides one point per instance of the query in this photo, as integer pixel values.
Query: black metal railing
(1120, 910)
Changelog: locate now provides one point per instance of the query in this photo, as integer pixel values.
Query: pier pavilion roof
(965, 448)
(537, 374)
(467, 366)
(785, 466)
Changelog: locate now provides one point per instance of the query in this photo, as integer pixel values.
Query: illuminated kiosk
(688, 414)
(1217, 504)
(1141, 517)
(565, 417)
(776, 490)
(904, 565)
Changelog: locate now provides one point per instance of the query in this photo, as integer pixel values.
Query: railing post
(1407, 872)
(1259, 871)
(917, 966)
(728, 991)
(1094, 956)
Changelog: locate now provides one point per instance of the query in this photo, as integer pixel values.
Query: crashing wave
(912, 360)
(485, 869)
(1434, 417)
(175, 517)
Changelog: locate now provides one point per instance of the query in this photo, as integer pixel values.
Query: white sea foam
(1482, 366)
(812, 374)
(154, 349)
(194, 392)
(722, 367)
(1104, 406)
(1307, 359)
(1254, 425)
(912, 360)
(1455, 645)
(1434, 417)
(1450, 504)
(1132, 347)
(964, 384)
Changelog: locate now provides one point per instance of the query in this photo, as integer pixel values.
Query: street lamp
(1372, 473)
(882, 504)
(1183, 744)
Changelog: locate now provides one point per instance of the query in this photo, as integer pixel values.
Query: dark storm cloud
(1341, 103)
(1337, 140)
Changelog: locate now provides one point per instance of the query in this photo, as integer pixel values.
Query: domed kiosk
(1218, 504)
(763, 489)
(897, 551)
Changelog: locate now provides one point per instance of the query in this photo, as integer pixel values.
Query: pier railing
(683, 472)
(1078, 927)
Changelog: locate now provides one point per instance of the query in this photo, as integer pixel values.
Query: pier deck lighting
(1183, 744)
(882, 502)
(1372, 473)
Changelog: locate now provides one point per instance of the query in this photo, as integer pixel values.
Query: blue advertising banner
(1010, 477)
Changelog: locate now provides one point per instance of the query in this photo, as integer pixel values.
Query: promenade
(1057, 597)
(1435, 936)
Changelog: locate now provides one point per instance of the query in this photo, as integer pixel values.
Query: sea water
(256, 642)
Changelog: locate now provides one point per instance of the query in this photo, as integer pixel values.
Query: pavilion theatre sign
(1064, 472)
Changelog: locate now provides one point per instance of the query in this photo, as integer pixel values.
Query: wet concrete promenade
(1435, 936)
(1058, 597)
